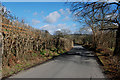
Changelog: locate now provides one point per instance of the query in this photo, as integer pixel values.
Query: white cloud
(61, 26)
(52, 28)
(86, 30)
(68, 10)
(35, 13)
(59, 30)
(90, 30)
(65, 12)
(52, 17)
(66, 18)
(48, 27)
(62, 11)
(34, 22)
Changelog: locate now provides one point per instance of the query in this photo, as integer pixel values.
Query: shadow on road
(79, 50)
(78, 55)
(77, 63)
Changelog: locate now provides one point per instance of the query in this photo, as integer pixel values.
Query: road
(77, 63)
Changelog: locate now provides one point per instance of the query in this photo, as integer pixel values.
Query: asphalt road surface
(77, 63)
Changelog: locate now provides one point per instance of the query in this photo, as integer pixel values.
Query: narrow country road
(77, 63)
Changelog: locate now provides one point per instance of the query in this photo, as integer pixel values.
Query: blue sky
(57, 0)
(49, 16)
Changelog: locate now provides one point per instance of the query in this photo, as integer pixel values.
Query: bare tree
(65, 31)
(58, 33)
(105, 12)
(62, 33)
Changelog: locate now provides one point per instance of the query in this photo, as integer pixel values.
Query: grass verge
(28, 61)
(110, 63)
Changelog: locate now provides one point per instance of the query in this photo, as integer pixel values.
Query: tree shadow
(77, 55)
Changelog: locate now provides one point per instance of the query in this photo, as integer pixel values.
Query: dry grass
(111, 64)
(24, 48)
(28, 61)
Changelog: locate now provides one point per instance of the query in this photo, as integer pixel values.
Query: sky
(57, 0)
(51, 16)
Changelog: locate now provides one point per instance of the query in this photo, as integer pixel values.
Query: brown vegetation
(104, 22)
(24, 47)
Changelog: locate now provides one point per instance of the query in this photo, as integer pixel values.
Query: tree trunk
(117, 46)
(94, 40)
